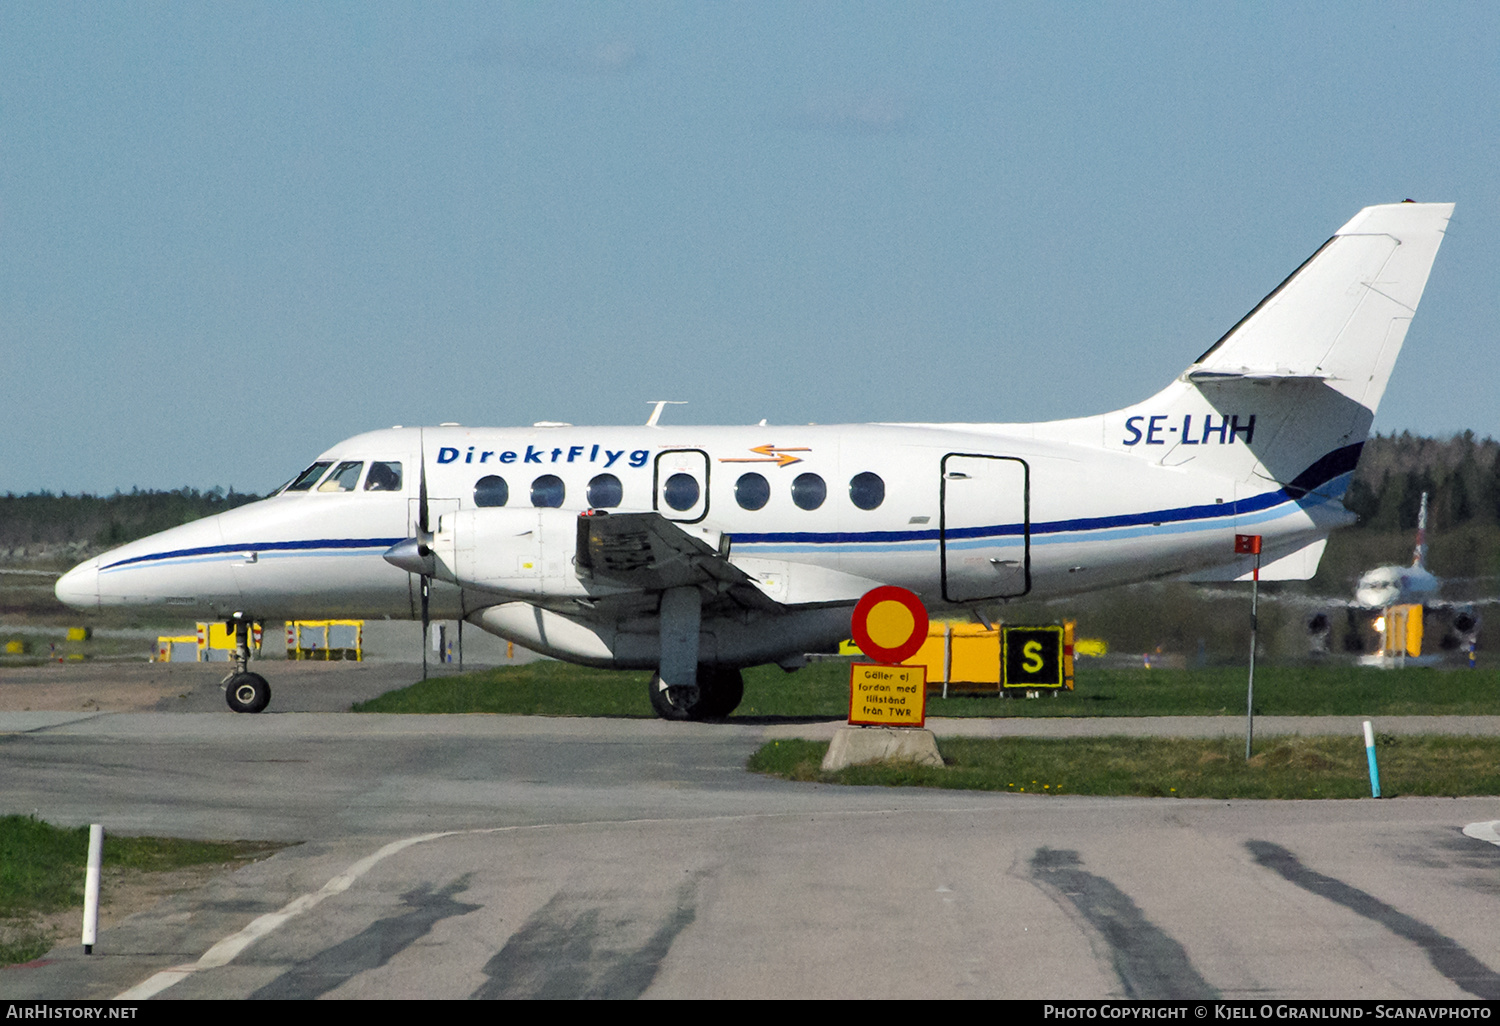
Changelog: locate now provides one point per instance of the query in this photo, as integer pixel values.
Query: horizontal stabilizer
(1297, 565)
(1203, 374)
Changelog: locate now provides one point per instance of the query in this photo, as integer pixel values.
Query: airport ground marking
(1489, 831)
(227, 949)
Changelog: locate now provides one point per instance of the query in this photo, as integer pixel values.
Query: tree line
(42, 522)
(1460, 474)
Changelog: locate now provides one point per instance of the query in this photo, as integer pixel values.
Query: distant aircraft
(697, 551)
(1393, 585)
(1383, 587)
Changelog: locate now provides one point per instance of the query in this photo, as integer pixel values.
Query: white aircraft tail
(1419, 554)
(1287, 396)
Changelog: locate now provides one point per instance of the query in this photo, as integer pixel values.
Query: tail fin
(1419, 554)
(1288, 394)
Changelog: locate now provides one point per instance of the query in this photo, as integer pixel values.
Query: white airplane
(1455, 624)
(1394, 585)
(697, 551)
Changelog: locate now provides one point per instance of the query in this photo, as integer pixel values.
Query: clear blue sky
(232, 234)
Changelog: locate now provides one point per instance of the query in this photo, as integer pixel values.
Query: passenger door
(985, 527)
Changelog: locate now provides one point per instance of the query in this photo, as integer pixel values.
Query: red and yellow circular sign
(890, 624)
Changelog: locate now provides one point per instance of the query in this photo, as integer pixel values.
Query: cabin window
(309, 477)
(384, 477)
(344, 477)
(681, 492)
(605, 492)
(548, 491)
(752, 491)
(866, 490)
(491, 491)
(809, 491)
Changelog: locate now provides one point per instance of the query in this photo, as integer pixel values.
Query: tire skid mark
(1447, 956)
(582, 946)
(372, 947)
(1149, 963)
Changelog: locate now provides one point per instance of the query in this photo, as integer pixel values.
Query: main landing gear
(716, 694)
(245, 692)
(682, 688)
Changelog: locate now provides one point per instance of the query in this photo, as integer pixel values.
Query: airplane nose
(79, 587)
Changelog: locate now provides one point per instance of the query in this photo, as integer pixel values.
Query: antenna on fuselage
(659, 403)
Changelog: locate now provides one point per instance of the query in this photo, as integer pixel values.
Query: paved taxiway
(637, 858)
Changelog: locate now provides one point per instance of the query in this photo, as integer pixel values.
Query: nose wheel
(247, 692)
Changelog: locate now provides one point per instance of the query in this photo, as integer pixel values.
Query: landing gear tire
(718, 693)
(722, 690)
(247, 693)
(674, 703)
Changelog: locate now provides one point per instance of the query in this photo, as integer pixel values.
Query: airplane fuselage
(964, 517)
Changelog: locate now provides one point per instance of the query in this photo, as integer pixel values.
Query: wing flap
(647, 552)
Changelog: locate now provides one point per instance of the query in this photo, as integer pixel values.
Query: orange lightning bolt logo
(776, 454)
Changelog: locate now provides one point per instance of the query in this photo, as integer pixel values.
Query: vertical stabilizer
(1286, 397)
(1419, 554)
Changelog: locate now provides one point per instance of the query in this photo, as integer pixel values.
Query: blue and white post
(1370, 755)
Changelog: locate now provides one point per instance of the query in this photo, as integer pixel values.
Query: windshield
(309, 477)
(344, 478)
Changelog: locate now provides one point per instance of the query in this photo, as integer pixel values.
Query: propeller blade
(423, 552)
(422, 524)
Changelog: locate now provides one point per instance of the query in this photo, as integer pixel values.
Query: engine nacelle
(523, 552)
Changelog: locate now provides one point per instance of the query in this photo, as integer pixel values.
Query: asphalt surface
(624, 858)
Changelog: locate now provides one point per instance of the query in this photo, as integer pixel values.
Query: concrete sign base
(855, 746)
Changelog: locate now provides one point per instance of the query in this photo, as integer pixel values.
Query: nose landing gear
(245, 692)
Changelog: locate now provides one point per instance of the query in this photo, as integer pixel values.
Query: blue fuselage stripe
(301, 547)
(889, 540)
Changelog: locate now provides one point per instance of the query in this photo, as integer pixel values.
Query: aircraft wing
(647, 552)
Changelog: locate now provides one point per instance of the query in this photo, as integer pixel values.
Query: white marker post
(1370, 755)
(1247, 544)
(91, 888)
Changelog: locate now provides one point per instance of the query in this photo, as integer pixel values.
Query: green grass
(821, 690)
(1282, 767)
(543, 688)
(42, 870)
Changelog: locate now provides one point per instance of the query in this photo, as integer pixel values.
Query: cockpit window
(309, 477)
(344, 477)
(384, 477)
